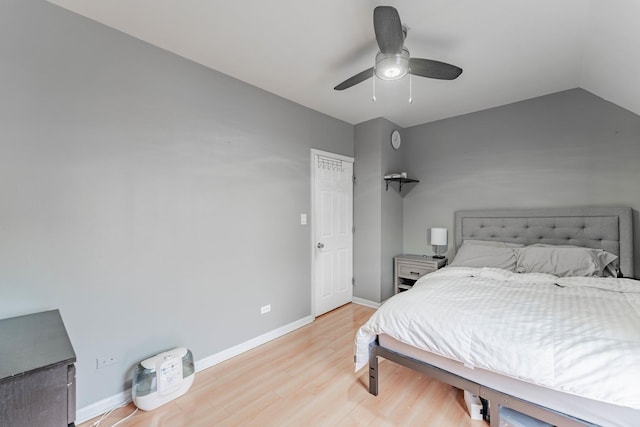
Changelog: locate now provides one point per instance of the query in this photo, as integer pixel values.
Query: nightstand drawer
(412, 271)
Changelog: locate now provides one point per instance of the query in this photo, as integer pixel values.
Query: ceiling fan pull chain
(373, 98)
(410, 87)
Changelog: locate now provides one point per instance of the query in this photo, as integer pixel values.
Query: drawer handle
(414, 272)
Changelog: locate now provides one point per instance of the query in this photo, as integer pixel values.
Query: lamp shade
(439, 236)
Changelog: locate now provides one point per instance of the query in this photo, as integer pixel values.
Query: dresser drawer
(414, 271)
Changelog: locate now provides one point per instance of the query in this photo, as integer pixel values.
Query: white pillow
(485, 254)
(564, 261)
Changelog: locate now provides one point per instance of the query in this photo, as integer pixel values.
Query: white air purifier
(162, 378)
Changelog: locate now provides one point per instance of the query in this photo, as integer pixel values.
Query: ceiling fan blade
(433, 69)
(358, 78)
(388, 29)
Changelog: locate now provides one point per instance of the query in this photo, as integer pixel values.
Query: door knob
(320, 245)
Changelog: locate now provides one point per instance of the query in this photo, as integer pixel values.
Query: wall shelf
(400, 181)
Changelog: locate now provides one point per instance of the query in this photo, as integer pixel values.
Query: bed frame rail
(434, 372)
(496, 398)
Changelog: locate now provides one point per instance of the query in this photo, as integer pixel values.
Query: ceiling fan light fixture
(392, 66)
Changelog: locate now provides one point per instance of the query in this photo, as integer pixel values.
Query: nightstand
(409, 268)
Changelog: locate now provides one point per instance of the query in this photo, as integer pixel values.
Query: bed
(564, 389)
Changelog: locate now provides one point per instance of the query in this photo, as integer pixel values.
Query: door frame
(312, 219)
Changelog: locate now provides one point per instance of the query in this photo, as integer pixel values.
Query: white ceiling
(510, 50)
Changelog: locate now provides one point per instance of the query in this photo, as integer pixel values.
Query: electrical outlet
(265, 309)
(104, 361)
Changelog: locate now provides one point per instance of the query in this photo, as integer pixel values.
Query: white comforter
(576, 335)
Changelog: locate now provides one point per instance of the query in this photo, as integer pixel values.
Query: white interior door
(332, 261)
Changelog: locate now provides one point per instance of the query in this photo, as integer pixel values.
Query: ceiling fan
(393, 61)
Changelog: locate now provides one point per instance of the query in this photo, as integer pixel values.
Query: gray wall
(566, 149)
(155, 202)
(391, 207)
(367, 211)
(377, 212)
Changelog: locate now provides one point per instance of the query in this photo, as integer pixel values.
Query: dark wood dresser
(37, 372)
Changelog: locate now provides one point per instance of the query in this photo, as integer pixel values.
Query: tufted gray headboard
(598, 227)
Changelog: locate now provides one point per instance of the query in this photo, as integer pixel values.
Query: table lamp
(438, 239)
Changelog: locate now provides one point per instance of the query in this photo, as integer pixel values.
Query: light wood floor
(306, 378)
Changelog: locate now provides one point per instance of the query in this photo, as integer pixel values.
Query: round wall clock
(395, 139)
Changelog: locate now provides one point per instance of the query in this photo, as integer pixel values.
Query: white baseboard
(98, 408)
(214, 359)
(365, 302)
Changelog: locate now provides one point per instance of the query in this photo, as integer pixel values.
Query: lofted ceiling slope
(509, 50)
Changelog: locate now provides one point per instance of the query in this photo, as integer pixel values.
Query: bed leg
(494, 413)
(373, 372)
